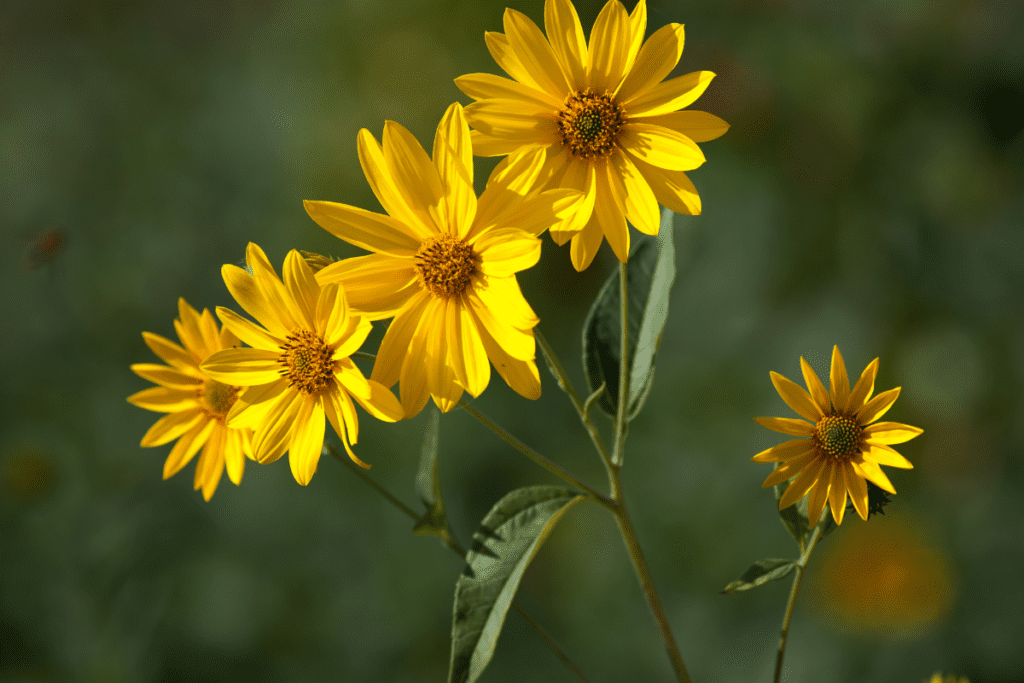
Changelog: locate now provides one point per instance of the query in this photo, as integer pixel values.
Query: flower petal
(671, 95)
(469, 358)
(563, 28)
(551, 209)
(274, 434)
(656, 59)
(503, 294)
(873, 473)
(166, 377)
(637, 29)
(210, 465)
(609, 209)
(518, 120)
(171, 353)
(837, 492)
(796, 398)
(415, 174)
(884, 455)
(819, 494)
(165, 400)
(250, 410)
(506, 251)
(365, 229)
(794, 448)
(509, 184)
(501, 51)
(610, 41)
(802, 484)
(187, 327)
(171, 426)
(342, 415)
(699, 126)
(415, 224)
(208, 328)
(440, 373)
(252, 334)
(890, 433)
(673, 189)
(375, 285)
(453, 158)
(863, 389)
(878, 406)
(413, 389)
(817, 389)
(283, 307)
(585, 244)
(661, 147)
(490, 146)
(234, 455)
(579, 177)
(247, 293)
(302, 286)
(517, 343)
(858, 490)
(786, 425)
(489, 86)
(790, 469)
(244, 367)
(397, 340)
(382, 404)
(351, 338)
(304, 454)
(640, 203)
(188, 445)
(839, 383)
(534, 53)
(521, 375)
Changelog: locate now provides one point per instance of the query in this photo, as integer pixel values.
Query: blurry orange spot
(44, 249)
(881, 578)
(27, 473)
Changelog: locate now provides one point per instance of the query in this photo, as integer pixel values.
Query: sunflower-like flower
(298, 370)
(599, 115)
(841, 449)
(444, 263)
(196, 404)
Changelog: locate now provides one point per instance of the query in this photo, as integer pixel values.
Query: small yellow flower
(600, 117)
(298, 370)
(939, 678)
(840, 448)
(195, 403)
(444, 263)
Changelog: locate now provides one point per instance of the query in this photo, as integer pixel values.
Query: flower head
(195, 403)
(444, 262)
(841, 446)
(298, 370)
(599, 116)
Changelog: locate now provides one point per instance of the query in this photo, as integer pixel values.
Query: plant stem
(801, 564)
(454, 546)
(620, 415)
(566, 384)
(550, 466)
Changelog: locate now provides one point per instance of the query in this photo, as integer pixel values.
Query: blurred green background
(867, 195)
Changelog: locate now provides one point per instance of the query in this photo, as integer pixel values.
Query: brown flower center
(838, 437)
(590, 124)
(218, 398)
(307, 363)
(445, 265)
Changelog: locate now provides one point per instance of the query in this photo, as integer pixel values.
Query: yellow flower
(444, 263)
(939, 678)
(299, 368)
(600, 116)
(840, 448)
(195, 403)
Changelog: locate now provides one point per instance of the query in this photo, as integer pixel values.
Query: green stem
(801, 564)
(454, 546)
(553, 467)
(620, 414)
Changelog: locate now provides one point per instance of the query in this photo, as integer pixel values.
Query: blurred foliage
(868, 194)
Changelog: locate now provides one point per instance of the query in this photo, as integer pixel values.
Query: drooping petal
(873, 473)
(673, 189)
(671, 95)
(171, 426)
(890, 433)
(210, 465)
(819, 493)
(656, 59)
(884, 455)
(534, 53)
(788, 450)
(640, 203)
(365, 229)
(699, 126)
(609, 209)
(274, 434)
(382, 404)
(413, 389)
(416, 224)
(786, 425)
(660, 147)
(817, 389)
(252, 334)
(244, 367)
(415, 174)
(579, 177)
(863, 389)
(440, 373)
(453, 158)
(503, 294)
(188, 445)
(551, 209)
(165, 400)
(608, 53)
(397, 340)
(302, 286)
(585, 244)
(245, 291)
(563, 28)
(792, 468)
(342, 414)
(796, 398)
(837, 492)
(839, 383)
(351, 378)
(308, 441)
(501, 51)
(878, 406)
(234, 456)
(171, 353)
(521, 375)
(506, 251)
(472, 370)
(351, 338)
(858, 490)
(522, 121)
(167, 377)
(489, 86)
(517, 343)
(375, 285)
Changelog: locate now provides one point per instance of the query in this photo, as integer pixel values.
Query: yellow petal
(673, 189)
(469, 358)
(506, 251)
(234, 455)
(341, 413)
(858, 490)
(453, 158)
(304, 454)
(397, 340)
(579, 177)
(208, 328)
(610, 41)
(517, 343)
(873, 473)
(699, 126)
(544, 210)
(187, 327)
(331, 312)
(501, 51)
(171, 426)
(414, 174)
(440, 372)
(786, 425)
(413, 389)
(534, 53)
(817, 389)
(637, 29)
(837, 492)
(351, 338)
(640, 203)
(244, 289)
(801, 467)
(819, 493)
(188, 445)
(509, 184)
(171, 353)
(878, 406)
(661, 147)
(521, 375)
(489, 86)
(675, 93)
(271, 288)
(167, 377)
(890, 433)
(609, 208)
(788, 450)
(585, 244)
(350, 377)
(863, 389)
(524, 122)
(164, 400)
(656, 59)
(796, 398)
(365, 229)
(382, 404)
(562, 25)
(252, 334)
(490, 146)
(302, 286)
(884, 455)
(839, 383)
(503, 294)
(416, 224)
(274, 434)
(210, 465)
(244, 367)
(375, 285)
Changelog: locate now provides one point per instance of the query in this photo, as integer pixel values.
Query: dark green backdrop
(868, 194)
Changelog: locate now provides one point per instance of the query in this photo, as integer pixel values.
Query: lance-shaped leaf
(760, 573)
(508, 538)
(794, 517)
(649, 276)
(428, 483)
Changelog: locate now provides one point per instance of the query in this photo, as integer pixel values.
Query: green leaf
(508, 538)
(434, 521)
(649, 276)
(760, 573)
(794, 517)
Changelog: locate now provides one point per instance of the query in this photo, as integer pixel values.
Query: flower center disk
(307, 362)
(590, 124)
(445, 265)
(218, 398)
(838, 436)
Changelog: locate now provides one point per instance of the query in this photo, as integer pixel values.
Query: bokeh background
(867, 195)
